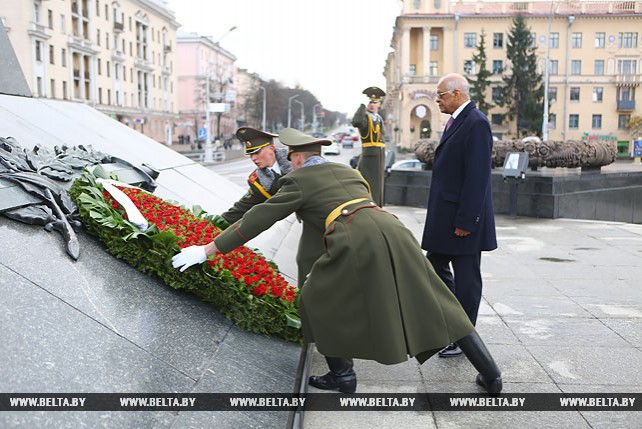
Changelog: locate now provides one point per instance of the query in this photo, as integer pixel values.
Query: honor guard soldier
(373, 149)
(271, 163)
(367, 291)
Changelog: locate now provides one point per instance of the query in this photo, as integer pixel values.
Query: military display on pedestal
(373, 149)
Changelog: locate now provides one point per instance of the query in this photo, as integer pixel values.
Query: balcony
(118, 27)
(625, 105)
(628, 79)
(420, 79)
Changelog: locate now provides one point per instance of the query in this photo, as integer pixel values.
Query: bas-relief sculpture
(571, 154)
(34, 184)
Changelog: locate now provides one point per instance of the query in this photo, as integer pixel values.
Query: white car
(333, 149)
(408, 164)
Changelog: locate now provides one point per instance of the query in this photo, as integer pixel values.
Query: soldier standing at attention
(373, 149)
(271, 164)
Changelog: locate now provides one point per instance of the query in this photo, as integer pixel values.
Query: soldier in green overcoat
(271, 164)
(370, 292)
(373, 150)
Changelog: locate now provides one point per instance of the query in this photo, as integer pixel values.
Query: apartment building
(594, 51)
(115, 55)
(206, 89)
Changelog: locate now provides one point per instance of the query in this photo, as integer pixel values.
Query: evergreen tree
(481, 83)
(523, 92)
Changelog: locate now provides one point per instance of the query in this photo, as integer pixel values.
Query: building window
(496, 94)
(107, 69)
(469, 67)
(63, 57)
(596, 122)
(98, 37)
(434, 42)
(574, 121)
(575, 93)
(434, 68)
(554, 40)
(552, 94)
(50, 19)
(498, 66)
(553, 65)
(576, 67)
(598, 94)
(52, 88)
(417, 4)
(100, 96)
(626, 66)
(470, 40)
(496, 119)
(534, 40)
(576, 40)
(627, 40)
(623, 121)
(51, 54)
(38, 50)
(552, 121)
(412, 69)
(498, 40)
(97, 8)
(39, 87)
(65, 95)
(599, 40)
(99, 67)
(63, 25)
(598, 69)
(141, 41)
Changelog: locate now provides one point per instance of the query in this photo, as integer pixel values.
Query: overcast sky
(332, 48)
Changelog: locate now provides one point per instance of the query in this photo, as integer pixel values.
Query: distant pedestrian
(460, 222)
(367, 291)
(372, 162)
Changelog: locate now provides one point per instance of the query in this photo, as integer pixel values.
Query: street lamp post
(290, 109)
(314, 117)
(302, 114)
(547, 65)
(264, 104)
(208, 156)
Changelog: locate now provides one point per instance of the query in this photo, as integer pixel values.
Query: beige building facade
(594, 51)
(116, 55)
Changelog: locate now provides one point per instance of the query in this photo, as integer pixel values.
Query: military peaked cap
(296, 141)
(374, 93)
(253, 139)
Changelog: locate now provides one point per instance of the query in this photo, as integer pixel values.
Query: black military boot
(341, 376)
(489, 377)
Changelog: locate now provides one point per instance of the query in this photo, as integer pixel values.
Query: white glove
(189, 256)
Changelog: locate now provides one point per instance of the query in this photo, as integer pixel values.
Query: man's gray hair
(459, 83)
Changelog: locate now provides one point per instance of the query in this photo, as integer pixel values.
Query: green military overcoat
(373, 151)
(368, 291)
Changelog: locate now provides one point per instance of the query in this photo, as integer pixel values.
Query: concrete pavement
(561, 313)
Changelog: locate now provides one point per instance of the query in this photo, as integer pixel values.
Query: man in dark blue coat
(460, 222)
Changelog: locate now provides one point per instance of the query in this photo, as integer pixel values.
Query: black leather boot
(489, 377)
(341, 376)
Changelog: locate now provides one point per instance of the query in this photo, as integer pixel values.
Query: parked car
(408, 164)
(333, 149)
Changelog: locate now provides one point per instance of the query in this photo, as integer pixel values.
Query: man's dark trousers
(466, 284)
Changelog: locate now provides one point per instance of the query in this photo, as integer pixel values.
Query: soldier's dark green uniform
(262, 183)
(373, 149)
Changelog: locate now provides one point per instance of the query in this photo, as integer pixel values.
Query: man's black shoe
(345, 383)
(493, 387)
(451, 350)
